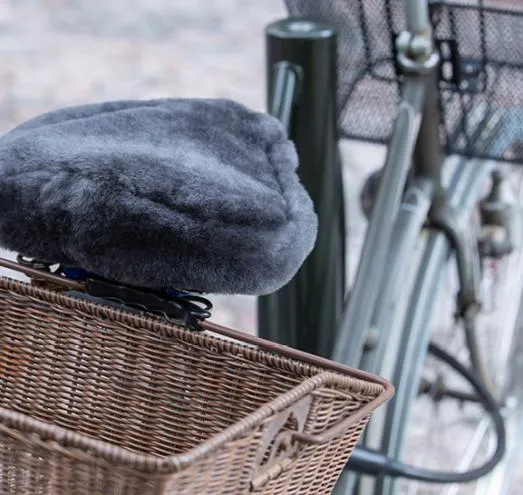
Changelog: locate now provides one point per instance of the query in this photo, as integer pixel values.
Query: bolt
(420, 46)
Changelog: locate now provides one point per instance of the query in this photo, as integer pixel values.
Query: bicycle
(427, 79)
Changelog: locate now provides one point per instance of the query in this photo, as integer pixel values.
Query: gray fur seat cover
(184, 193)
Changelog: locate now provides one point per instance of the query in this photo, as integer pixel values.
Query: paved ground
(63, 52)
(60, 52)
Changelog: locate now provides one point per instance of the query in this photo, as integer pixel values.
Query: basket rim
(171, 329)
(295, 354)
(91, 449)
(329, 373)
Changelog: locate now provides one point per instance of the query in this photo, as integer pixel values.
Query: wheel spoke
(471, 452)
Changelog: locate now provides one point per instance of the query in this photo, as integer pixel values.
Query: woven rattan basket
(98, 401)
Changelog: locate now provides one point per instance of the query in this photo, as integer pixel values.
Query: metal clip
(187, 309)
(180, 307)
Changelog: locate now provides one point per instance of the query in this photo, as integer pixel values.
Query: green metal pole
(305, 313)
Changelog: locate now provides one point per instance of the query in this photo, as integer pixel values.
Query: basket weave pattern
(97, 401)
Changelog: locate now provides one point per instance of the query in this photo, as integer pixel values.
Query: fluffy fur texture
(193, 194)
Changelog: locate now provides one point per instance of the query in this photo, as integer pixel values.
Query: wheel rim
(469, 423)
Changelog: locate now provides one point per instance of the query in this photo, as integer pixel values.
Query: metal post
(284, 91)
(428, 155)
(417, 16)
(305, 313)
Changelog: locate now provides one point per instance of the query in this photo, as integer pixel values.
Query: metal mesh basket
(98, 401)
(481, 44)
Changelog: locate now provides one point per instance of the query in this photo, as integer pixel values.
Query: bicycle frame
(302, 94)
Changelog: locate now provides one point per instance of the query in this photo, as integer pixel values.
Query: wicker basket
(98, 401)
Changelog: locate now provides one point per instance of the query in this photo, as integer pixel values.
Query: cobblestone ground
(64, 52)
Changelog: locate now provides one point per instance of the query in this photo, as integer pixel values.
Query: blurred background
(62, 52)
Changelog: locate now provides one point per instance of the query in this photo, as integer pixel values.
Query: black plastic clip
(185, 309)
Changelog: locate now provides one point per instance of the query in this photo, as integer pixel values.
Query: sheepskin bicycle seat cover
(197, 194)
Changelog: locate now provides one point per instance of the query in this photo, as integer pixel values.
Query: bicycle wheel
(452, 412)
(427, 429)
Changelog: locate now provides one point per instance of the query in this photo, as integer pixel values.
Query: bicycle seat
(195, 194)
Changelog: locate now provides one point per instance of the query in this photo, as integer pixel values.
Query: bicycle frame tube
(428, 154)
(393, 297)
(415, 137)
(417, 16)
(355, 322)
(416, 333)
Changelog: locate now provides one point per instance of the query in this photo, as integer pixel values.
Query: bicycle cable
(374, 463)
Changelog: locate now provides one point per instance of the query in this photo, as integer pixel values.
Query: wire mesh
(481, 47)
